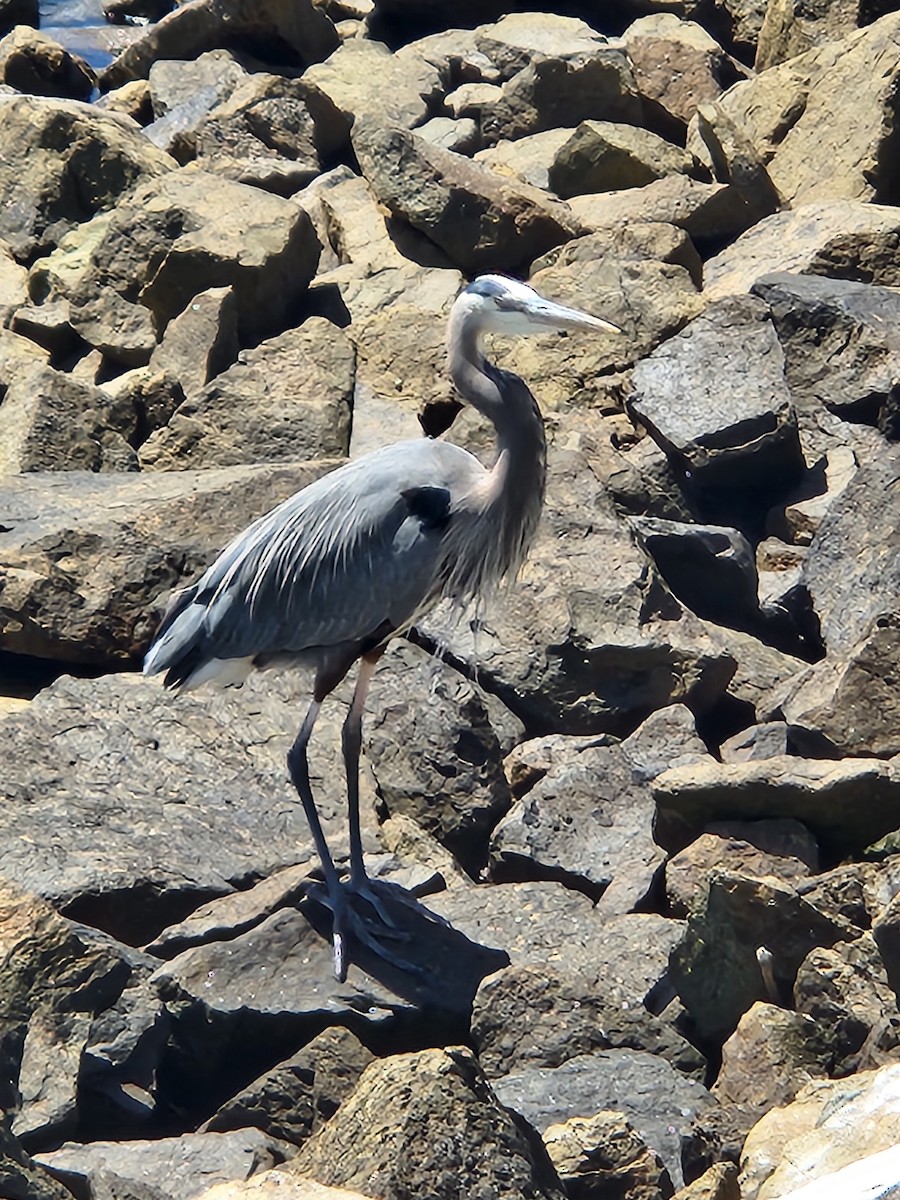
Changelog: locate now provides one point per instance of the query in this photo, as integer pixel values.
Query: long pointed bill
(558, 316)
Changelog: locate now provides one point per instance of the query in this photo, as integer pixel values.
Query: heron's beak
(557, 316)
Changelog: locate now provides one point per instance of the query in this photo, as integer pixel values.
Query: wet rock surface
(634, 821)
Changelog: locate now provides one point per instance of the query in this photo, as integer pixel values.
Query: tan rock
(278, 1185)
(605, 156)
(835, 237)
(603, 1155)
(34, 63)
(790, 28)
(677, 66)
(426, 1121)
(768, 1058)
(827, 1127)
(719, 1182)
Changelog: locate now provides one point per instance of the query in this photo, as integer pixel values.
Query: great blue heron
(330, 575)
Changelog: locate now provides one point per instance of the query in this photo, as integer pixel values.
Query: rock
(719, 1182)
(777, 849)
(288, 399)
(769, 1057)
(576, 77)
(442, 766)
(602, 156)
(262, 132)
(174, 83)
(716, 969)
(529, 158)
(176, 1168)
(130, 100)
(276, 1185)
(479, 220)
(758, 741)
(790, 29)
(207, 853)
(460, 136)
(51, 422)
(64, 163)
(886, 931)
(361, 81)
(798, 519)
(245, 1003)
(738, 435)
(800, 109)
(20, 1177)
(18, 12)
(846, 805)
(838, 341)
(642, 278)
(186, 232)
(827, 1127)
(56, 976)
(589, 822)
(118, 543)
(536, 1016)
(667, 738)
(514, 41)
(711, 213)
(32, 62)
(373, 1142)
(845, 990)
(709, 568)
(836, 238)
(299, 1095)
(292, 34)
(657, 1102)
(603, 1156)
(864, 1176)
(551, 651)
(199, 344)
(677, 67)
(845, 707)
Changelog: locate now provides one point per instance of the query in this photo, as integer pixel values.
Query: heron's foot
(351, 924)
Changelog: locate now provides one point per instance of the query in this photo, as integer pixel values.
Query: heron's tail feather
(177, 645)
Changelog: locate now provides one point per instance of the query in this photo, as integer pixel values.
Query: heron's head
(496, 304)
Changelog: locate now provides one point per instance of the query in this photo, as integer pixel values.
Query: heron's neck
(515, 490)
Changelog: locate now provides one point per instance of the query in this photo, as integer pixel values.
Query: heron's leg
(298, 765)
(351, 740)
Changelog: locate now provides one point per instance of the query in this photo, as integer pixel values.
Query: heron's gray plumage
(331, 574)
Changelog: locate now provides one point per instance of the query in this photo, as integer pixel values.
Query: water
(79, 25)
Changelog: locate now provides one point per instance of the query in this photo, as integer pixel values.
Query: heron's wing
(356, 550)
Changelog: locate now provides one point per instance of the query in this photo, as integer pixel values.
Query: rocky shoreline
(654, 789)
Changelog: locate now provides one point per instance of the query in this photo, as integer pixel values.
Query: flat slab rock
(113, 789)
(83, 557)
(178, 1168)
(658, 1101)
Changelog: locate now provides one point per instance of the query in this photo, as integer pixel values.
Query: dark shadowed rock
(839, 340)
(846, 805)
(726, 431)
(85, 556)
(20, 1177)
(716, 969)
(34, 63)
(535, 1016)
(64, 162)
(602, 156)
(177, 1168)
(290, 33)
(844, 989)
(299, 1095)
(435, 753)
(481, 221)
(243, 1004)
(375, 1141)
(656, 1100)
